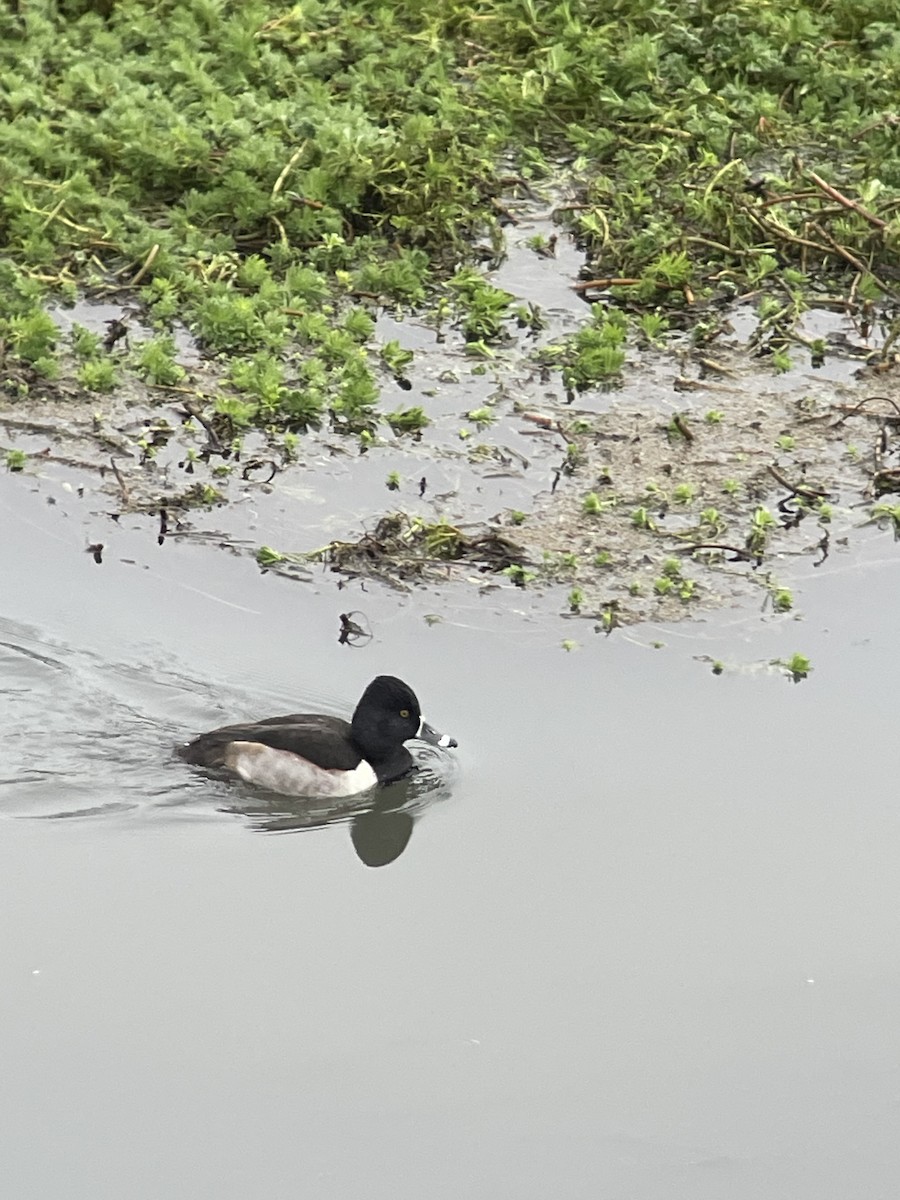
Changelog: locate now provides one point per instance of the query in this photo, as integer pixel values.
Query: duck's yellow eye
(404, 712)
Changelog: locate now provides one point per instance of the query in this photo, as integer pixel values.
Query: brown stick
(798, 489)
(853, 205)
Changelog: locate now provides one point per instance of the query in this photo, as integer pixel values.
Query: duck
(313, 754)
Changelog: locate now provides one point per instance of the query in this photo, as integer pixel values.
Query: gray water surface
(641, 941)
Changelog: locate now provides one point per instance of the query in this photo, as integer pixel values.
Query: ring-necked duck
(310, 754)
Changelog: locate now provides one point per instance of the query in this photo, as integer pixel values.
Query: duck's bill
(427, 734)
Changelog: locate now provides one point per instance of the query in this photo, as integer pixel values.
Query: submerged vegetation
(275, 178)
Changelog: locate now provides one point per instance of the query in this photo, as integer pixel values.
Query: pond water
(636, 938)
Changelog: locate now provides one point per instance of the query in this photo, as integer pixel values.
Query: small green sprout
(797, 666)
(652, 325)
(393, 481)
(781, 361)
(609, 619)
(395, 358)
(569, 645)
(687, 589)
(641, 519)
(575, 599)
(731, 487)
(684, 493)
(407, 420)
(663, 586)
(711, 521)
(97, 375)
(518, 574)
(481, 416)
(635, 588)
(15, 460)
(714, 416)
(890, 512)
(267, 557)
(782, 599)
(671, 568)
(602, 559)
(85, 344)
(786, 442)
(516, 517)
(760, 528)
(718, 666)
(593, 505)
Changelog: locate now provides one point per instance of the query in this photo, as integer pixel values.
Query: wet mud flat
(696, 477)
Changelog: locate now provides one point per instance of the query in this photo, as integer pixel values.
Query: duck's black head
(388, 715)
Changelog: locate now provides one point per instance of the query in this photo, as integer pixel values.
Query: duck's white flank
(282, 771)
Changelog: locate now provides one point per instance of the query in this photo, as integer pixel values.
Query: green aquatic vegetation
(798, 667)
(575, 600)
(260, 172)
(267, 557)
(395, 358)
(481, 416)
(393, 481)
(97, 375)
(519, 575)
(888, 512)
(684, 493)
(712, 523)
(517, 517)
(786, 441)
(199, 495)
(15, 460)
(603, 558)
(663, 585)
(713, 416)
(761, 525)
(31, 336)
(228, 321)
(484, 308)
(609, 618)
(760, 267)
(593, 355)
(641, 519)
(84, 343)
(155, 360)
(408, 420)
(241, 413)
(593, 505)
(262, 377)
(782, 599)
(652, 325)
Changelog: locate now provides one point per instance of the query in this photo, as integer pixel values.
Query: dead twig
(840, 198)
(797, 489)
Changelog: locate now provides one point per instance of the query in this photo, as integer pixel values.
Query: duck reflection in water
(381, 822)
